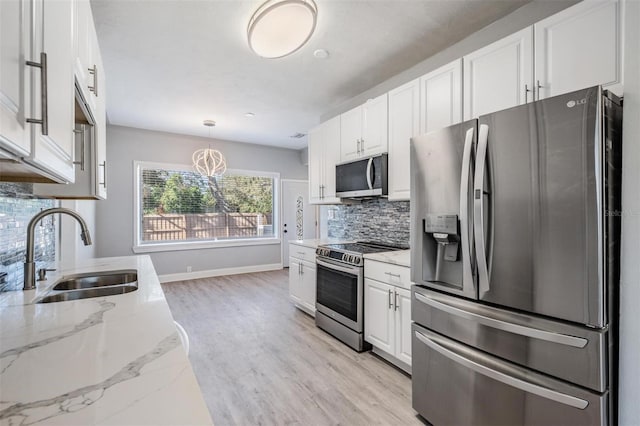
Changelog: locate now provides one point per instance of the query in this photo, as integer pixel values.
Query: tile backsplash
(372, 220)
(17, 207)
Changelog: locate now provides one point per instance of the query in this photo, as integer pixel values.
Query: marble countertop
(105, 361)
(398, 257)
(315, 242)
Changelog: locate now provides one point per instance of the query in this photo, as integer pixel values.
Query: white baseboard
(167, 278)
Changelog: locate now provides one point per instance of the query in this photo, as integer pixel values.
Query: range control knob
(357, 260)
(345, 257)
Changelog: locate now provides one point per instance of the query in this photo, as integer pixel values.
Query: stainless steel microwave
(366, 177)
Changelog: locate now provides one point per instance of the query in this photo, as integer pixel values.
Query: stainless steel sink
(97, 279)
(111, 290)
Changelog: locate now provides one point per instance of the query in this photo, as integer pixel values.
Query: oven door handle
(346, 269)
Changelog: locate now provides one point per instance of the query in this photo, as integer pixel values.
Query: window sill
(199, 245)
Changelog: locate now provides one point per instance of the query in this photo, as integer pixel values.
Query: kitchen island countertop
(105, 361)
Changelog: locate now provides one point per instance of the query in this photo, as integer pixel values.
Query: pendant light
(280, 27)
(209, 162)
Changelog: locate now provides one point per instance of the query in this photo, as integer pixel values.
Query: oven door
(339, 293)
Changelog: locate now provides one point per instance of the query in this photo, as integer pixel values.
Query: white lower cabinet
(387, 314)
(302, 283)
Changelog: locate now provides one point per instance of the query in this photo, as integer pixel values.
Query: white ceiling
(170, 64)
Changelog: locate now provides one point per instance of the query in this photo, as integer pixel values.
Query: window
(177, 206)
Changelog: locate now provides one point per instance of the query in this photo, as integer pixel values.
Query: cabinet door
(350, 134)
(82, 44)
(101, 128)
(378, 314)
(331, 157)
(402, 305)
(53, 34)
(296, 293)
(14, 83)
(441, 97)
(374, 126)
(309, 285)
(315, 164)
(404, 111)
(578, 48)
(499, 76)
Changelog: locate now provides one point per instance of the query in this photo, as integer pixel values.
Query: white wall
(630, 273)
(114, 233)
(72, 250)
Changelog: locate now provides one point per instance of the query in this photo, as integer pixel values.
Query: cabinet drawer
(388, 273)
(302, 252)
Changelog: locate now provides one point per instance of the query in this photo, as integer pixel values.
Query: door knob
(285, 231)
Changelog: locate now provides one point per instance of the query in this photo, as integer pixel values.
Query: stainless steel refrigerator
(515, 228)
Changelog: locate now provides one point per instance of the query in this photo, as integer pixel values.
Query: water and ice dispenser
(442, 241)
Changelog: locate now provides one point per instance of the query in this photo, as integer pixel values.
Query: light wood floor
(259, 360)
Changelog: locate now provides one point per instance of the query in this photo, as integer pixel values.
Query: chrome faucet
(30, 264)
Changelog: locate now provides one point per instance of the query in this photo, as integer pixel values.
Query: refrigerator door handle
(369, 167)
(467, 276)
(510, 380)
(478, 209)
(535, 333)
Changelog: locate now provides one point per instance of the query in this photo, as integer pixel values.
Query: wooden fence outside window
(205, 226)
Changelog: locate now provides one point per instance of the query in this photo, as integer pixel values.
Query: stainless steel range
(340, 290)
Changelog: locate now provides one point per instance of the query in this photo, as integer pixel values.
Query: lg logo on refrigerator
(571, 104)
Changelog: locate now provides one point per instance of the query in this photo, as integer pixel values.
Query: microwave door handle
(369, 169)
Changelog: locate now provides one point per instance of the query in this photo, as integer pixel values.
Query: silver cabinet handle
(44, 102)
(535, 333)
(104, 175)
(538, 87)
(362, 146)
(369, 167)
(478, 209)
(390, 299)
(395, 300)
(509, 380)
(358, 146)
(467, 275)
(82, 148)
(392, 275)
(94, 71)
(526, 93)
(301, 253)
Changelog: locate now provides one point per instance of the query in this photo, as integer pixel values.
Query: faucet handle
(42, 273)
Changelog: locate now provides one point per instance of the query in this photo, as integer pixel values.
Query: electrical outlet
(189, 268)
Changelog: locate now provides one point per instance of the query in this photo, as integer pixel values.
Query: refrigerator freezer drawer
(457, 385)
(569, 352)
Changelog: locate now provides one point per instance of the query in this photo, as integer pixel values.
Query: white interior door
(298, 216)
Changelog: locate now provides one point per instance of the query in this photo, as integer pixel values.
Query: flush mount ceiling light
(209, 162)
(280, 27)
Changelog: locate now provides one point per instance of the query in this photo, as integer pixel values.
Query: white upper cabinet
(441, 97)
(363, 130)
(331, 157)
(350, 134)
(579, 47)
(404, 112)
(52, 146)
(316, 154)
(324, 154)
(500, 75)
(14, 100)
(374, 126)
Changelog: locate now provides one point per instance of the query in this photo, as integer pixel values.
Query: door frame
(281, 216)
